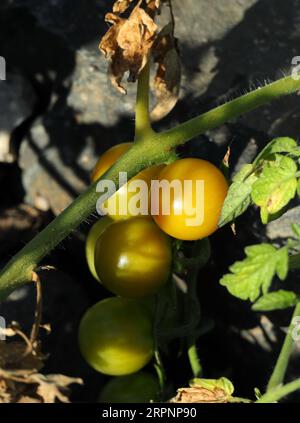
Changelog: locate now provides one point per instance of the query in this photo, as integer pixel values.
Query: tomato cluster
(131, 255)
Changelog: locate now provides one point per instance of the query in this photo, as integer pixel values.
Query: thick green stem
(231, 110)
(279, 392)
(278, 374)
(153, 148)
(143, 127)
(19, 269)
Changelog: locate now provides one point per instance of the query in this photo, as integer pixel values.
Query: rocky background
(58, 113)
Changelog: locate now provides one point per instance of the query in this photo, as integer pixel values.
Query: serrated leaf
(238, 198)
(275, 187)
(296, 152)
(277, 145)
(256, 271)
(278, 300)
(211, 384)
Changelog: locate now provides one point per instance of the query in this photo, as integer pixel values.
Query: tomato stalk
(278, 374)
(279, 392)
(152, 148)
(143, 127)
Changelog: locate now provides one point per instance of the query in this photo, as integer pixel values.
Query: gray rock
(17, 99)
(281, 228)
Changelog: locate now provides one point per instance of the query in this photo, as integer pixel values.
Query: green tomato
(93, 235)
(141, 387)
(115, 336)
(133, 257)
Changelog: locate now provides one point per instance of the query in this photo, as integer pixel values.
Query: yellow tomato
(115, 336)
(133, 257)
(93, 235)
(109, 158)
(193, 212)
(124, 203)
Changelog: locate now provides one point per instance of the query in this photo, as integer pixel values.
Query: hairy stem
(279, 392)
(18, 270)
(142, 118)
(279, 371)
(154, 148)
(231, 110)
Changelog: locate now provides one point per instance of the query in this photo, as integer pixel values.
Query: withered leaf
(153, 5)
(5, 396)
(226, 158)
(28, 400)
(54, 387)
(20, 362)
(127, 44)
(120, 6)
(200, 395)
(168, 74)
(21, 385)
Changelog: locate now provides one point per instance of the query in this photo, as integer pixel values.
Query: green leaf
(276, 301)
(296, 230)
(257, 393)
(256, 271)
(296, 152)
(275, 187)
(298, 187)
(277, 145)
(211, 384)
(238, 198)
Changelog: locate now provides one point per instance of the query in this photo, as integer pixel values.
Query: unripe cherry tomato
(115, 336)
(215, 190)
(93, 235)
(109, 158)
(133, 257)
(141, 387)
(123, 195)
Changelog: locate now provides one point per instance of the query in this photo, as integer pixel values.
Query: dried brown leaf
(226, 158)
(20, 362)
(5, 396)
(200, 395)
(127, 44)
(54, 387)
(120, 6)
(168, 74)
(153, 5)
(28, 400)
